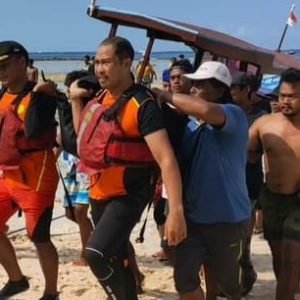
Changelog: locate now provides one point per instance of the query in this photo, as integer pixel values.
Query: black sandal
(50, 297)
(14, 287)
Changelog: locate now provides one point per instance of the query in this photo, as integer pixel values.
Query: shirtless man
(278, 136)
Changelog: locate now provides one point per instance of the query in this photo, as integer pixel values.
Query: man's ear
(246, 90)
(23, 61)
(127, 62)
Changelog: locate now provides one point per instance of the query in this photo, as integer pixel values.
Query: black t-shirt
(150, 118)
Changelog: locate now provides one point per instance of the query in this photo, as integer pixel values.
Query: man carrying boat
(119, 194)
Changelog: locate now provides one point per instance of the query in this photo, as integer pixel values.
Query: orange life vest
(101, 141)
(13, 141)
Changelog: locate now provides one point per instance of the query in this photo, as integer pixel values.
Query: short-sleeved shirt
(215, 187)
(139, 117)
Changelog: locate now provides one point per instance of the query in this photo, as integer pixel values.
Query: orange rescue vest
(13, 141)
(101, 142)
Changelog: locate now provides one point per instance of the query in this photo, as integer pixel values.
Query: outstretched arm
(201, 109)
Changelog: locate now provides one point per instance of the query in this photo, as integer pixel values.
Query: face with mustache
(289, 98)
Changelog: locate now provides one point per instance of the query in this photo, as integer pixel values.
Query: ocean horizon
(159, 55)
(78, 55)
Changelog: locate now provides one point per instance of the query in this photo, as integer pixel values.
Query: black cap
(241, 78)
(10, 48)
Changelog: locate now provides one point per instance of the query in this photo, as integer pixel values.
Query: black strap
(2, 91)
(113, 110)
(27, 89)
(140, 238)
(70, 206)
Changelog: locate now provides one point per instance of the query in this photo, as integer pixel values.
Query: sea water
(62, 67)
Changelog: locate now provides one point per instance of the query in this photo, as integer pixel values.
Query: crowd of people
(203, 148)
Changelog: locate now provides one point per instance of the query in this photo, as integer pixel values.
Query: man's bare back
(280, 139)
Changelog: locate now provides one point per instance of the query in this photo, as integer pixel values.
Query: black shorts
(281, 216)
(220, 247)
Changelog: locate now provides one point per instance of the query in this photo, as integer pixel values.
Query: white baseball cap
(212, 69)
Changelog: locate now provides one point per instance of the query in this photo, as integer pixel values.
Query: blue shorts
(78, 192)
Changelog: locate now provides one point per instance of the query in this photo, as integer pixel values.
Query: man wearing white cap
(217, 206)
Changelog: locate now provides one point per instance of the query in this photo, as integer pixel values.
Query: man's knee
(230, 287)
(185, 280)
(98, 263)
(39, 230)
(290, 264)
(81, 213)
(69, 215)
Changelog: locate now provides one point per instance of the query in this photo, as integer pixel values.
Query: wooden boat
(223, 47)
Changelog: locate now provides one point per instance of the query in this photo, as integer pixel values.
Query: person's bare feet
(80, 262)
(160, 255)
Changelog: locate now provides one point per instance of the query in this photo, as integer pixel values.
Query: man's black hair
(74, 75)
(226, 97)
(242, 79)
(123, 48)
(182, 65)
(290, 75)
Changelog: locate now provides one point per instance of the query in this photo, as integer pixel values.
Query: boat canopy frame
(222, 46)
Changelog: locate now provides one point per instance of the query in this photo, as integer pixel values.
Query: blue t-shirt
(215, 182)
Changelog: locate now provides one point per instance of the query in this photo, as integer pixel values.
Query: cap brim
(197, 76)
(4, 57)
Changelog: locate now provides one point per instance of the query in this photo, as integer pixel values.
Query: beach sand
(78, 282)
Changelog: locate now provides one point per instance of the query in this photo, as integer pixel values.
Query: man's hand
(48, 88)
(175, 228)
(76, 93)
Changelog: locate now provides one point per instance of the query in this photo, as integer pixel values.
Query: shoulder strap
(2, 92)
(113, 110)
(27, 89)
(15, 103)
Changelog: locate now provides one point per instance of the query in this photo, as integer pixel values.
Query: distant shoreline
(78, 56)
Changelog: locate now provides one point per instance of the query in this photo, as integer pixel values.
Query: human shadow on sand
(158, 294)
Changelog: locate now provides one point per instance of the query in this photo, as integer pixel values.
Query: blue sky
(62, 25)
